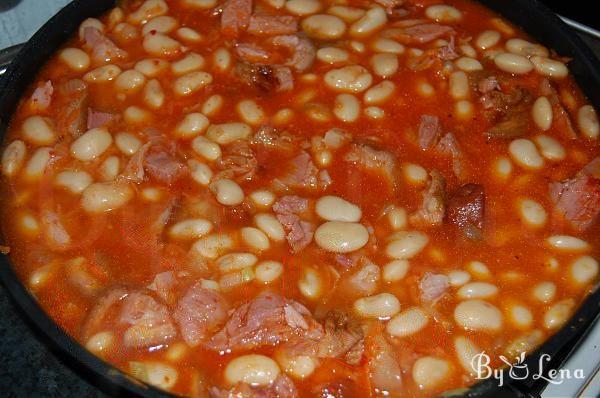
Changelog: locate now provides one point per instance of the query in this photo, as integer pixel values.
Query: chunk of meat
(57, 236)
(267, 320)
(361, 282)
(103, 49)
(578, 199)
(344, 388)
(252, 53)
(430, 131)
(342, 334)
(299, 232)
(42, 96)
(302, 49)
(383, 369)
(466, 209)
(199, 313)
(74, 99)
(433, 286)
(488, 84)
(149, 323)
(282, 387)
(424, 33)
(448, 52)
(235, 17)
(238, 162)
(303, 173)
(509, 113)
(99, 312)
(164, 284)
(389, 5)
(163, 167)
(99, 119)
(271, 139)
(433, 207)
(265, 78)
(371, 158)
(449, 146)
(272, 25)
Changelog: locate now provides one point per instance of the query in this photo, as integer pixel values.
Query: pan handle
(6, 57)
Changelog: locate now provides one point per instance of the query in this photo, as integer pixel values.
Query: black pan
(532, 16)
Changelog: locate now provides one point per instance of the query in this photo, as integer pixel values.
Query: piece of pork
(238, 162)
(302, 49)
(265, 78)
(510, 113)
(299, 232)
(430, 131)
(577, 199)
(282, 387)
(148, 320)
(368, 156)
(466, 210)
(199, 313)
(272, 25)
(73, 98)
(433, 206)
(98, 119)
(42, 96)
(267, 320)
(433, 286)
(235, 17)
(103, 49)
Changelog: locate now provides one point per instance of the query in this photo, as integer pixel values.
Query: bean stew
(304, 198)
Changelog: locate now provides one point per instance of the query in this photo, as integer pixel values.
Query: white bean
(311, 284)
(587, 119)
(521, 316)
(255, 238)
(487, 39)
(187, 64)
(189, 35)
(395, 270)
(346, 108)
(459, 85)
(334, 208)
(151, 67)
(468, 64)
(430, 372)
(191, 82)
(75, 58)
(206, 148)
(466, 351)
(157, 374)
(524, 153)
(380, 306)
(227, 133)
(549, 67)
(222, 59)
(251, 112)
(373, 20)
(302, 7)
(211, 246)
(458, 278)
(154, 96)
(406, 244)
(262, 198)
(73, 180)
(384, 65)
(127, 143)
(148, 10)
(584, 270)
(525, 48)
(542, 113)
(161, 24)
(13, 158)
(478, 315)
(348, 14)
(544, 291)
(192, 228)
(235, 262)
(159, 44)
(397, 218)
(513, 63)
(200, 4)
(100, 342)
(479, 269)
(353, 78)
(253, 369)
(102, 74)
(532, 213)
(212, 105)
(567, 243)
(297, 366)
(558, 314)
(200, 172)
(227, 192)
(102, 197)
(268, 271)
(89, 23)
(341, 237)
(415, 174)
(38, 131)
(191, 125)
(477, 290)
(269, 224)
(408, 322)
(383, 45)
(324, 27)
(443, 13)
(332, 55)
(37, 163)
(91, 144)
(136, 115)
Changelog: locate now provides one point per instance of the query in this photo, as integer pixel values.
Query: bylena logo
(519, 370)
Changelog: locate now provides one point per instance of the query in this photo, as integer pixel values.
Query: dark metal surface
(531, 15)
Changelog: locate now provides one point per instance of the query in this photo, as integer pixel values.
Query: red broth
(405, 184)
